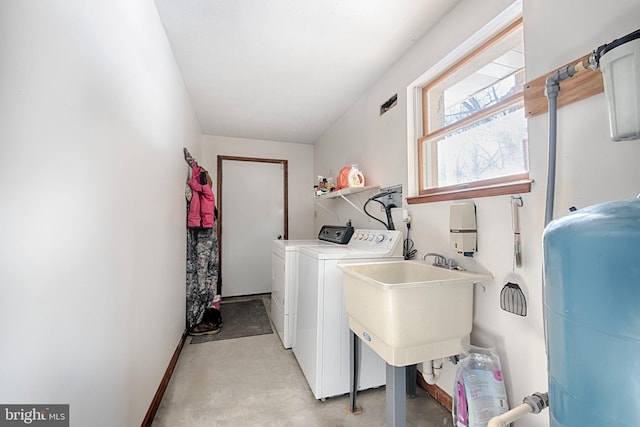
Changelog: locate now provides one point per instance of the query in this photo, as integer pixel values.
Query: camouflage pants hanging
(202, 272)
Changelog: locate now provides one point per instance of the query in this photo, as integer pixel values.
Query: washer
(321, 343)
(284, 271)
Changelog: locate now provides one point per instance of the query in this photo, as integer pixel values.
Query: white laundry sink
(409, 311)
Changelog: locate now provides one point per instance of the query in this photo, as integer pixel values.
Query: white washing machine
(284, 272)
(321, 343)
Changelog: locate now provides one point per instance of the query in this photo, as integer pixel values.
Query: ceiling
(286, 70)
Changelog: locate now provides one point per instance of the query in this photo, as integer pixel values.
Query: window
(475, 136)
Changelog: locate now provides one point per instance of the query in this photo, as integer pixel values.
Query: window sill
(505, 188)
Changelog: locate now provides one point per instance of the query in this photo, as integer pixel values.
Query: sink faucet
(442, 261)
(438, 260)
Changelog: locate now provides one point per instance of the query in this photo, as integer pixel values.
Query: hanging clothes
(202, 272)
(202, 247)
(203, 202)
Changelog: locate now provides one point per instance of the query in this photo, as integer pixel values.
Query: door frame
(285, 181)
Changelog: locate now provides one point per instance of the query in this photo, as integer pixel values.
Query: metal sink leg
(396, 396)
(354, 350)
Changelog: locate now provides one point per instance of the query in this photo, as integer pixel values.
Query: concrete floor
(254, 381)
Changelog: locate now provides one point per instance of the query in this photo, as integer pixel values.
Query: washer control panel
(376, 240)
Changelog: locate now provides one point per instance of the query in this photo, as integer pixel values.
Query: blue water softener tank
(592, 312)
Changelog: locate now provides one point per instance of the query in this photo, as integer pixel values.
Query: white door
(252, 216)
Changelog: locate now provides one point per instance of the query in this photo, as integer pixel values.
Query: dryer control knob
(380, 238)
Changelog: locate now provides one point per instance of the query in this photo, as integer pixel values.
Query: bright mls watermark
(34, 415)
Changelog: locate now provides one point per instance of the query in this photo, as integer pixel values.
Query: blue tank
(592, 315)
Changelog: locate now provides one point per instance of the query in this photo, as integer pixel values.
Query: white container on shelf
(621, 77)
(356, 178)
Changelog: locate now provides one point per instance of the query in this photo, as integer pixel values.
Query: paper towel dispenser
(463, 229)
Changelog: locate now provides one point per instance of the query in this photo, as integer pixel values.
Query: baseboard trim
(157, 398)
(441, 396)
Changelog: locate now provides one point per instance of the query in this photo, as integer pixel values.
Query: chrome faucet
(442, 261)
(438, 260)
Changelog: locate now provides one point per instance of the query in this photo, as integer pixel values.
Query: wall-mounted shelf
(342, 193)
(346, 192)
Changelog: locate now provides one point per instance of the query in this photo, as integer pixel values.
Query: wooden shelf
(583, 85)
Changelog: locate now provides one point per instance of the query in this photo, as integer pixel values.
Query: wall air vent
(391, 102)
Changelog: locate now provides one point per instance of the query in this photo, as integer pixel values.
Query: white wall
(94, 116)
(591, 169)
(300, 167)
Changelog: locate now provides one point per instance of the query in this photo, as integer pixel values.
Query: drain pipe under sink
(431, 371)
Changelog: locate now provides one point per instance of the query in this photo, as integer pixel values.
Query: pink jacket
(202, 203)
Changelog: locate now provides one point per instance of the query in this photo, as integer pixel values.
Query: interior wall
(591, 169)
(378, 143)
(300, 168)
(94, 118)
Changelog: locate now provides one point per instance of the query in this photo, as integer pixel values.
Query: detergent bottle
(356, 178)
(479, 392)
(343, 178)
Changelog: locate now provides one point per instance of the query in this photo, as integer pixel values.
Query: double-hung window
(474, 140)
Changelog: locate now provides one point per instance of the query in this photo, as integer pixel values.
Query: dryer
(284, 271)
(321, 344)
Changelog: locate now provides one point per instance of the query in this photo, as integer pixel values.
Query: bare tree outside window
(473, 116)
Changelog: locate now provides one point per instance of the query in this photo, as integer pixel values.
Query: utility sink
(409, 311)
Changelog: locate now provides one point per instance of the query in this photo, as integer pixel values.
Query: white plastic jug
(356, 178)
(621, 77)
